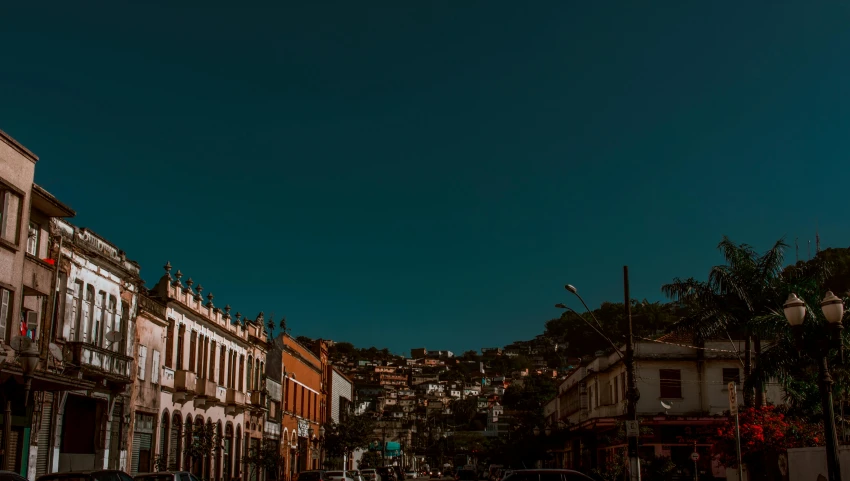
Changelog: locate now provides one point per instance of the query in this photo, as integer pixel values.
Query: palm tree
(746, 287)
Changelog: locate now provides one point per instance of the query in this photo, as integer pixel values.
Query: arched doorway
(218, 450)
(228, 451)
(187, 441)
(162, 461)
(208, 462)
(175, 444)
(237, 460)
(197, 462)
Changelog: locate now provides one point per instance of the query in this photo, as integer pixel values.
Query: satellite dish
(20, 343)
(667, 407)
(56, 352)
(114, 336)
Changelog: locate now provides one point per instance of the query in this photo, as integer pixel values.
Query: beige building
(210, 377)
(32, 378)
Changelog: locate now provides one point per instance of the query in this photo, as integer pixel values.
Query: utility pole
(632, 394)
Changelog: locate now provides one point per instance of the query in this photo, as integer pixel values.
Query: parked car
(315, 475)
(166, 476)
(355, 475)
(11, 476)
(411, 474)
(93, 475)
(546, 475)
(338, 476)
(370, 474)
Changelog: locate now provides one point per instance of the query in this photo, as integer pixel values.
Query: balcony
(101, 364)
(209, 390)
(258, 399)
(185, 384)
(38, 277)
(235, 401)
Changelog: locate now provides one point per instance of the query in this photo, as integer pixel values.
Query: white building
(212, 375)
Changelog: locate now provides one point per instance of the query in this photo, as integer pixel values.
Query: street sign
(632, 429)
(733, 399)
(694, 457)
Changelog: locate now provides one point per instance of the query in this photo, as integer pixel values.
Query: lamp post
(833, 311)
(632, 394)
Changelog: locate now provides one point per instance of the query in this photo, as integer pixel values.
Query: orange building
(304, 403)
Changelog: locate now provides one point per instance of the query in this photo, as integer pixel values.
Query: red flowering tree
(765, 430)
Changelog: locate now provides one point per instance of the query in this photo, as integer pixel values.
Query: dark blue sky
(431, 173)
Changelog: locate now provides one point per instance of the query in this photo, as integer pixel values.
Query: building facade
(304, 390)
(209, 382)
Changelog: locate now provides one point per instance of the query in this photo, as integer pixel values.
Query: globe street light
(833, 310)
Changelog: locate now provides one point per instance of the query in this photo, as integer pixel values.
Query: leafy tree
(764, 430)
(746, 287)
(304, 340)
(266, 456)
(464, 410)
(205, 440)
(355, 432)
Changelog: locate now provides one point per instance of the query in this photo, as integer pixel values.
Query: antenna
(56, 352)
(667, 407)
(810, 250)
(114, 336)
(20, 343)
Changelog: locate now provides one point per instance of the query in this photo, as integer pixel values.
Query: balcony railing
(38, 276)
(258, 399)
(101, 363)
(209, 390)
(235, 398)
(185, 384)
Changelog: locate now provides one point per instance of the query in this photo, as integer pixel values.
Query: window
(98, 318)
(88, 313)
(193, 342)
(169, 344)
(222, 365)
(77, 311)
(143, 355)
(6, 300)
(113, 320)
(10, 213)
(731, 374)
(155, 367)
(32, 239)
(671, 383)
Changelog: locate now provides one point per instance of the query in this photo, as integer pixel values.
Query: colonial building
(96, 332)
(151, 325)
(683, 394)
(32, 384)
(340, 399)
(304, 386)
(209, 381)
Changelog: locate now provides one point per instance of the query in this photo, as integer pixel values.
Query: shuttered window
(155, 367)
(143, 355)
(5, 311)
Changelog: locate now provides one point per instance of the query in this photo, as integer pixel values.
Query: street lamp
(632, 394)
(833, 310)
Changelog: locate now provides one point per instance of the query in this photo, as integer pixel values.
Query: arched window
(208, 465)
(241, 372)
(164, 436)
(258, 374)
